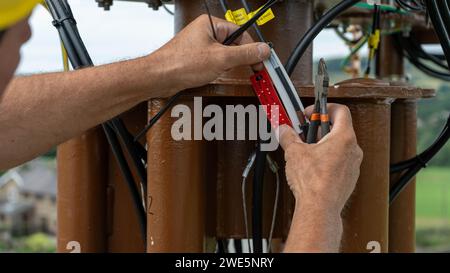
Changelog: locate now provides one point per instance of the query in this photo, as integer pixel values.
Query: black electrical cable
(128, 176)
(228, 41)
(440, 26)
(158, 115)
(427, 70)
(133, 152)
(257, 217)
(225, 8)
(422, 160)
(416, 49)
(255, 26)
(419, 159)
(237, 245)
(66, 26)
(376, 25)
(307, 39)
(441, 22)
(222, 246)
(168, 10)
(2, 32)
(79, 57)
(416, 56)
(410, 5)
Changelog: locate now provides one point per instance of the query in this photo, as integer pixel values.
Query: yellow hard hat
(12, 11)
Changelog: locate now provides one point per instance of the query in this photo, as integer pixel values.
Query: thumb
(287, 136)
(247, 54)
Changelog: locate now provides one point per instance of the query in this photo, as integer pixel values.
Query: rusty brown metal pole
(390, 66)
(176, 212)
(402, 213)
(366, 217)
(82, 176)
(94, 205)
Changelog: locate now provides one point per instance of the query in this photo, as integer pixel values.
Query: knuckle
(348, 139)
(359, 154)
(345, 109)
(202, 18)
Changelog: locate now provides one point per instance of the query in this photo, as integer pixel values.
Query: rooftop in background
(35, 177)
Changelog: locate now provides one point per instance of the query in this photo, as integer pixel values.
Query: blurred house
(28, 199)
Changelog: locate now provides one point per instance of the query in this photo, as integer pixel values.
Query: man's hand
(322, 177)
(195, 58)
(323, 174)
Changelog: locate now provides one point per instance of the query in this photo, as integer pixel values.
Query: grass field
(433, 193)
(433, 209)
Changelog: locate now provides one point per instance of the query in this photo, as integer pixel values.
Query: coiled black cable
(440, 16)
(307, 39)
(421, 59)
(411, 5)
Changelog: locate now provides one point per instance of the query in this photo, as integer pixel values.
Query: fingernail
(261, 49)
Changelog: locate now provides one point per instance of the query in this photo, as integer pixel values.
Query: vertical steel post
(390, 66)
(82, 178)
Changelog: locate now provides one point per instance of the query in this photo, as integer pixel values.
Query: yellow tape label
(229, 17)
(240, 16)
(266, 17)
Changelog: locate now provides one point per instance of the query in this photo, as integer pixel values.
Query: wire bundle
(114, 129)
(439, 11)
(433, 65)
(411, 5)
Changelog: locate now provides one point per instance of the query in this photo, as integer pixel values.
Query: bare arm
(41, 111)
(314, 230)
(38, 112)
(322, 177)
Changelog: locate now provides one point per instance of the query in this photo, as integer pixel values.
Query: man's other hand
(323, 175)
(195, 58)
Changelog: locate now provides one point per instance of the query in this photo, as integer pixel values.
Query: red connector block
(268, 96)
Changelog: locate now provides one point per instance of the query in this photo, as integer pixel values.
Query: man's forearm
(314, 230)
(41, 111)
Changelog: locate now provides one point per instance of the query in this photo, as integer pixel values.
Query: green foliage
(51, 154)
(432, 112)
(38, 242)
(433, 194)
(433, 239)
(433, 209)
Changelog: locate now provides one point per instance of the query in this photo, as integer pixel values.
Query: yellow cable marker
(266, 17)
(229, 17)
(240, 16)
